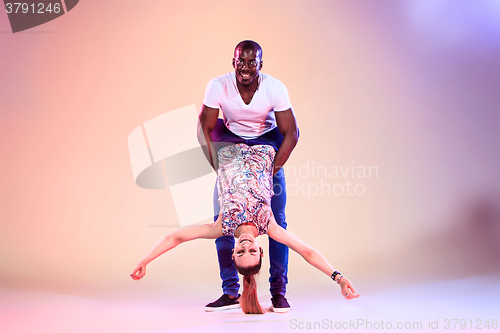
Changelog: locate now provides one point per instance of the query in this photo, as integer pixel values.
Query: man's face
(247, 64)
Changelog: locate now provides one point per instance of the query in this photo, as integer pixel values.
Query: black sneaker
(280, 304)
(223, 303)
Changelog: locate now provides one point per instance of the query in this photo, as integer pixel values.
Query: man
(256, 110)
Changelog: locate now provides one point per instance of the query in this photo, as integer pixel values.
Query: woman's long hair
(249, 301)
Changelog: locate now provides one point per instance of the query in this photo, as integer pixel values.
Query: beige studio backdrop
(401, 93)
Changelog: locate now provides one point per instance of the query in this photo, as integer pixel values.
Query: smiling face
(247, 63)
(247, 251)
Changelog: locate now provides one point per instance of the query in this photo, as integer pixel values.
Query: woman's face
(246, 251)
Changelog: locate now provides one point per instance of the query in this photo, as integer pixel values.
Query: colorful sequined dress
(245, 184)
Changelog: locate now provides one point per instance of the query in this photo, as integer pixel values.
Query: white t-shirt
(252, 120)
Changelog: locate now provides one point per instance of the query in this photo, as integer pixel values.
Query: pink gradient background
(410, 87)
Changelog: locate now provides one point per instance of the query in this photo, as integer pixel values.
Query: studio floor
(462, 305)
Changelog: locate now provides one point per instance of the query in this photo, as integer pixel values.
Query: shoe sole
(222, 308)
(280, 310)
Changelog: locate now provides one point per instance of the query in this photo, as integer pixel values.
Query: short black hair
(249, 45)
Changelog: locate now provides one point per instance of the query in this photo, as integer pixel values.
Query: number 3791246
(34, 8)
(463, 324)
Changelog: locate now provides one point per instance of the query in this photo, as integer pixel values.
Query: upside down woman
(245, 181)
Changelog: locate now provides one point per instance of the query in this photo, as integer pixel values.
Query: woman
(245, 190)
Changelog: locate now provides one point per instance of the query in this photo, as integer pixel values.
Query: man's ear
(234, 63)
(232, 254)
(261, 252)
(260, 65)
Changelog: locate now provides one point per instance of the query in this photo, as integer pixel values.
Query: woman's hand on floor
(139, 272)
(347, 289)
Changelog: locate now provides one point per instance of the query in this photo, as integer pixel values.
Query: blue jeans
(278, 253)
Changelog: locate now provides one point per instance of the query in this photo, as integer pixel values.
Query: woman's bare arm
(210, 231)
(307, 252)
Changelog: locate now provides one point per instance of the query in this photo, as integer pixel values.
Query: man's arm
(206, 124)
(288, 128)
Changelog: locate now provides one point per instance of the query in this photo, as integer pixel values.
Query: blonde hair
(249, 301)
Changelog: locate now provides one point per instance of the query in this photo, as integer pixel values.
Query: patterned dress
(245, 185)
